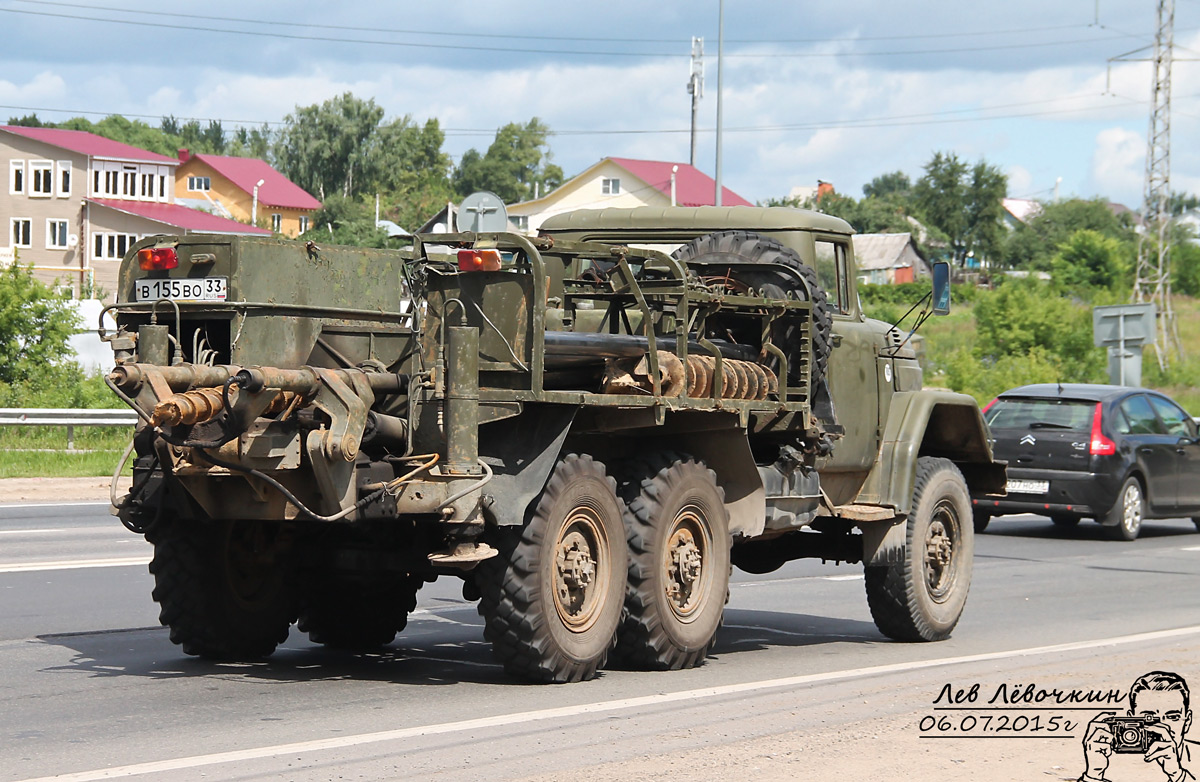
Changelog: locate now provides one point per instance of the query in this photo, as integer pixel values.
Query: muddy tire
(921, 597)
(679, 550)
(1124, 520)
(358, 615)
(746, 247)
(551, 600)
(223, 587)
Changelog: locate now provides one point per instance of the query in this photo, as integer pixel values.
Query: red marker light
(479, 260)
(157, 259)
(1100, 445)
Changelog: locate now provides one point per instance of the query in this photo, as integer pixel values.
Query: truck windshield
(1067, 414)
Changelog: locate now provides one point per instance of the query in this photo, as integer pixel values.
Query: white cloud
(1118, 162)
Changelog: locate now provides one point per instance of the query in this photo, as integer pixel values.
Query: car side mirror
(941, 288)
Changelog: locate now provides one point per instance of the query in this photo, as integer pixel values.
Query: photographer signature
(1159, 716)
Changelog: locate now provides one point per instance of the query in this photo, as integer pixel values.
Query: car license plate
(1017, 486)
(199, 289)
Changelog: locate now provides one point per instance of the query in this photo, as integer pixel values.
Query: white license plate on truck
(199, 289)
(1017, 486)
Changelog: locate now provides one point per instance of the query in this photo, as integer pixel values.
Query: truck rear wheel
(678, 533)
(921, 596)
(746, 247)
(223, 586)
(551, 600)
(358, 615)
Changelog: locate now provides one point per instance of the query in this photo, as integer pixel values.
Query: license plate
(200, 289)
(1016, 486)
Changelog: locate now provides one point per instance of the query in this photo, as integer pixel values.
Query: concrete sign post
(1124, 329)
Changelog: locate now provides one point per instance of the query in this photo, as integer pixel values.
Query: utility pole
(720, 67)
(695, 87)
(1154, 251)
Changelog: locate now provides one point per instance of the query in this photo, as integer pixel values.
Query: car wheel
(1124, 520)
(980, 520)
(1064, 520)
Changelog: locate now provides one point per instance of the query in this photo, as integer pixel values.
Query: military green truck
(589, 428)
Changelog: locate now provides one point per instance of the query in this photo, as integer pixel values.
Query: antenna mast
(1154, 251)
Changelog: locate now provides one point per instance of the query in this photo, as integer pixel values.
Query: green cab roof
(690, 219)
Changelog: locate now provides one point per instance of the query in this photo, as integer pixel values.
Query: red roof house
(625, 182)
(245, 189)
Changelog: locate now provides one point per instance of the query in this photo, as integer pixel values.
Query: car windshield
(1015, 413)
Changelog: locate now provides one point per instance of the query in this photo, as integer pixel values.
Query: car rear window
(1073, 415)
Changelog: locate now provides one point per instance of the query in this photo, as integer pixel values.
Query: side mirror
(941, 288)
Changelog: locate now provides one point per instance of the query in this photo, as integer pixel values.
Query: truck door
(852, 373)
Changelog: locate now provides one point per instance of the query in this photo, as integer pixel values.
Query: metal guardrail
(68, 417)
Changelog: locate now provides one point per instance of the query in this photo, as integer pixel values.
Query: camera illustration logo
(1155, 728)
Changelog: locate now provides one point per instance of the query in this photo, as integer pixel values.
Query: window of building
(521, 221)
(199, 183)
(610, 186)
(111, 246)
(16, 177)
(162, 187)
(303, 223)
(21, 232)
(56, 234)
(41, 177)
(129, 182)
(148, 186)
(64, 178)
(277, 223)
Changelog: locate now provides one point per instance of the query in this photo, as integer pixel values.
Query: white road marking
(1190, 548)
(30, 531)
(54, 504)
(602, 707)
(74, 564)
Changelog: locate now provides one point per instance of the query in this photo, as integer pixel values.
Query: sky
(835, 91)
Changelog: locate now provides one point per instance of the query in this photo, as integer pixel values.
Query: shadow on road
(434, 650)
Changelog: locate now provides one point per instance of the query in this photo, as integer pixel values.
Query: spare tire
(746, 247)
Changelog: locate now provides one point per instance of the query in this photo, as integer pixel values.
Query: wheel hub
(940, 540)
(579, 554)
(684, 560)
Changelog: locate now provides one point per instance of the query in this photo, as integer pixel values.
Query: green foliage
(349, 221)
(964, 203)
(895, 184)
(1033, 245)
(909, 293)
(518, 159)
(35, 324)
(1091, 260)
(323, 148)
(1177, 203)
(1185, 268)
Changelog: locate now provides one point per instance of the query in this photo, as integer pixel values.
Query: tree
(1090, 259)
(252, 142)
(28, 121)
(324, 148)
(964, 203)
(1177, 204)
(1033, 244)
(894, 184)
(516, 161)
(35, 325)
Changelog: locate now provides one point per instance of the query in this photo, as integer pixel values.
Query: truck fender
(521, 452)
(930, 422)
(727, 453)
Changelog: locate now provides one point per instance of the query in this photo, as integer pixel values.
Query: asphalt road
(92, 688)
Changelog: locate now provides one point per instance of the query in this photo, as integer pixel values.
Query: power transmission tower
(1153, 281)
(696, 87)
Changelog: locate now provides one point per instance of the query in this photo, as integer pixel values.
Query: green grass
(41, 451)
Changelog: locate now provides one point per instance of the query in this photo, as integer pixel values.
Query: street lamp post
(254, 206)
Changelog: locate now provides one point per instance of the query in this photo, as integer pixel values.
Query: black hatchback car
(1111, 453)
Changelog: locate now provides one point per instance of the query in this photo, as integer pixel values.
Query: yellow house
(244, 189)
(624, 183)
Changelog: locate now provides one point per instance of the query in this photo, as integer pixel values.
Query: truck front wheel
(223, 586)
(920, 595)
(551, 600)
(678, 533)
